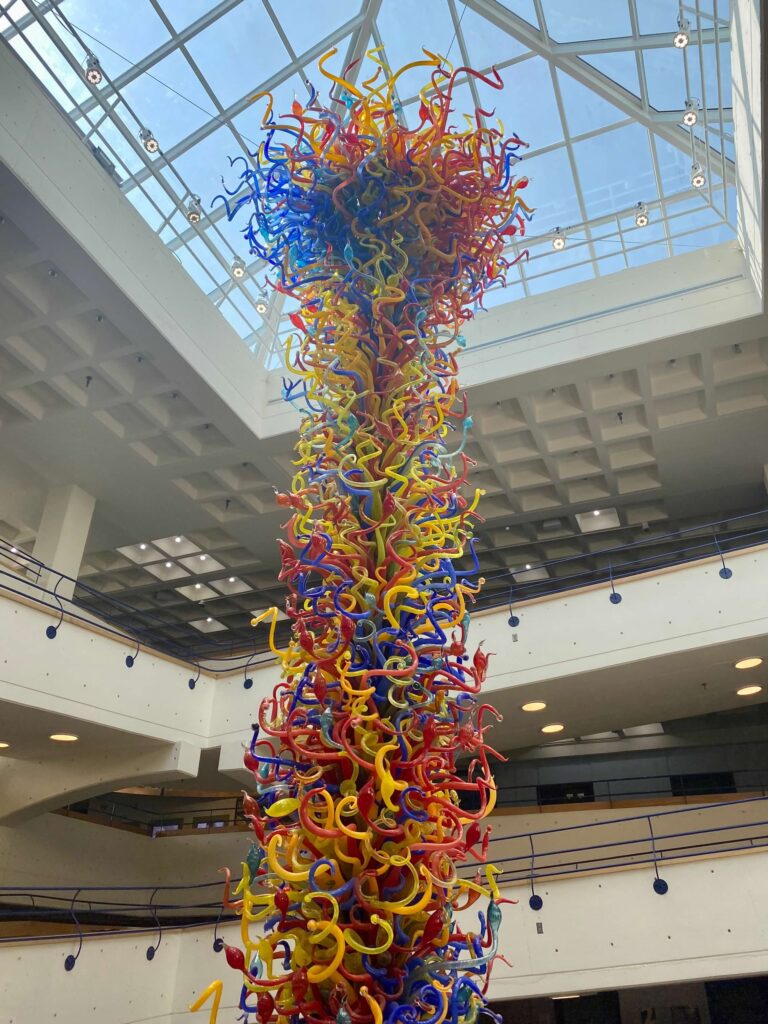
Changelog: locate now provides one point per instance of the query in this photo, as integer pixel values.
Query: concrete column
(63, 534)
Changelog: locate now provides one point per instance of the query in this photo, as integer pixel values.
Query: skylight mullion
(280, 30)
(17, 27)
(208, 127)
(462, 44)
(567, 137)
(721, 109)
(154, 58)
(361, 36)
(584, 73)
(620, 44)
(643, 86)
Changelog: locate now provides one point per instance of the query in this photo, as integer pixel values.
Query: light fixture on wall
(194, 210)
(641, 216)
(558, 240)
(748, 663)
(682, 37)
(238, 267)
(93, 73)
(148, 141)
(698, 177)
(691, 115)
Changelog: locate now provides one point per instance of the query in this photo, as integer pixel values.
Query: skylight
(596, 89)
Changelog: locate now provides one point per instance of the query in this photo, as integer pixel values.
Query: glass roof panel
(623, 150)
(609, 181)
(585, 111)
(175, 97)
(599, 19)
(305, 22)
(225, 52)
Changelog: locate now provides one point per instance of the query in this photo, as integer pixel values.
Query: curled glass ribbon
(387, 236)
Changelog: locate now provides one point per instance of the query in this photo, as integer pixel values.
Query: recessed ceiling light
(596, 512)
(169, 565)
(64, 737)
(142, 547)
(14, 551)
(198, 586)
(749, 691)
(748, 663)
(202, 558)
(231, 579)
(534, 705)
(553, 727)
(527, 565)
(4, 746)
(209, 619)
(576, 996)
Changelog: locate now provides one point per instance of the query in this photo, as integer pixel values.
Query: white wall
(598, 933)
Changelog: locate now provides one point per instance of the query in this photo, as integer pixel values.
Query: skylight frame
(359, 32)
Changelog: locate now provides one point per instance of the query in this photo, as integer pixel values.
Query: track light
(698, 177)
(238, 267)
(93, 72)
(148, 141)
(194, 210)
(558, 240)
(691, 115)
(641, 215)
(683, 35)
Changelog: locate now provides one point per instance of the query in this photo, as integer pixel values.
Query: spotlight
(691, 115)
(194, 210)
(148, 141)
(93, 72)
(641, 215)
(238, 267)
(683, 35)
(558, 240)
(261, 306)
(698, 177)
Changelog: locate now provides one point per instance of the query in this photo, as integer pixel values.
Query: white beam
(63, 534)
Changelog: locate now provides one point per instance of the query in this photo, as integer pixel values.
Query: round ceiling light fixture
(534, 705)
(691, 115)
(553, 727)
(748, 663)
(194, 210)
(148, 141)
(749, 691)
(63, 737)
(93, 73)
(682, 37)
(698, 177)
(641, 216)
